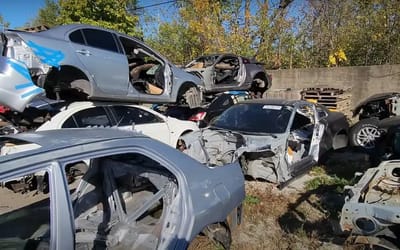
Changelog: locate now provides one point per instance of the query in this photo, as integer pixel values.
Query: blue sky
(19, 12)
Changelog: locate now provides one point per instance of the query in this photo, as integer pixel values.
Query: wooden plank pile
(333, 98)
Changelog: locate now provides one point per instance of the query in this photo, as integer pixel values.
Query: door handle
(83, 52)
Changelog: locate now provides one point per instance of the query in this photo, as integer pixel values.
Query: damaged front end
(372, 208)
(16, 86)
(259, 156)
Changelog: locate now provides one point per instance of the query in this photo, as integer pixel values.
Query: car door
(150, 75)
(225, 74)
(131, 117)
(303, 140)
(106, 64)
(35, 218)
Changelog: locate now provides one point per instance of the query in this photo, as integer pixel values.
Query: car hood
(219, 147)
(16, 86)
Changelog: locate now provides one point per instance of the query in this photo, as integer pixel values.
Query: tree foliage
(280, 33)
(286, 33)
(111, 14)
(47, 15)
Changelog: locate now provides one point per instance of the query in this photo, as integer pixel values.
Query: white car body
(167, 130)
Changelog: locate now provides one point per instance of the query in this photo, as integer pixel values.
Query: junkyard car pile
(106, 171)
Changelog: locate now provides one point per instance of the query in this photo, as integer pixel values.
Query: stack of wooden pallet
(333, 98)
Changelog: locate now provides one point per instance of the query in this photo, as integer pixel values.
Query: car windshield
(254, 118)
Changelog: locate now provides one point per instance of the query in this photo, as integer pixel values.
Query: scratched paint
(46, 55)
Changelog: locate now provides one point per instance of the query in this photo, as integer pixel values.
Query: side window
(25, 211)
(100, 39)
(128, 115)
(303, 117)
(117, 191)
(92, 117)
(77, 37)
(70, 123)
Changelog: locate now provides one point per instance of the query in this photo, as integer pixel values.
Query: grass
(322, 179)
(251, 200)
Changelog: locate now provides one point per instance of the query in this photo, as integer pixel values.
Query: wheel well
(184, 87)
(60, 79)
(263, 76)
(179, 141)
(193, 99)
(64, 76)
(340, 140)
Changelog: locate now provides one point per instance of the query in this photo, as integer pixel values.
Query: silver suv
(78, 61)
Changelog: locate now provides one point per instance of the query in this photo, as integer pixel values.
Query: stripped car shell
(274, 140)
(222, 72)
(79, 61)
(372, 207)
(137, 193)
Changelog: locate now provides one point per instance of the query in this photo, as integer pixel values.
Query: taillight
(3, 109)
(198, 117)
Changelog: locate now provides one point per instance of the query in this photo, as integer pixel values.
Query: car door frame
(62, 232)
(299, 167)
(167, 73)
(209, 75)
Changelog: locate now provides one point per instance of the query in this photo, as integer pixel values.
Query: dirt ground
(302, 215)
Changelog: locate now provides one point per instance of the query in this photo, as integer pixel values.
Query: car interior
(123, 201)
(226, 70)
(146, 73)
(300, 136)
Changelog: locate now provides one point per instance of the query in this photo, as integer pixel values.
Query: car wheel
(365, 133)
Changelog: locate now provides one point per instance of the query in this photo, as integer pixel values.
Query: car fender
(16, 86)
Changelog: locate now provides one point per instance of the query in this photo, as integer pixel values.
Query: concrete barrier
(363, 81)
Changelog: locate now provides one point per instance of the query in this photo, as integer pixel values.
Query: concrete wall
(363, 81)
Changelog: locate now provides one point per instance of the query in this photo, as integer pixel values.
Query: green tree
(111, 14)
(47, 15)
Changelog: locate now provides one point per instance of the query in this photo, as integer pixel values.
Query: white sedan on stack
(123, 116)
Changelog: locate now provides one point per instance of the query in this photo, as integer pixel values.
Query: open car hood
(16, 86)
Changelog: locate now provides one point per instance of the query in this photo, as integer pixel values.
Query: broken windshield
(254, 118)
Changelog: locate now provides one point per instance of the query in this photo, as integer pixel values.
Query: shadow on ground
(316, 212)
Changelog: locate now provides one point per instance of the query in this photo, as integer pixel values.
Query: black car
(376, 114)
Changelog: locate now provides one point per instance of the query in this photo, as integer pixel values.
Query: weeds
(252, 200)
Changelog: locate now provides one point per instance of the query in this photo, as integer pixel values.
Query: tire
(365, 134)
